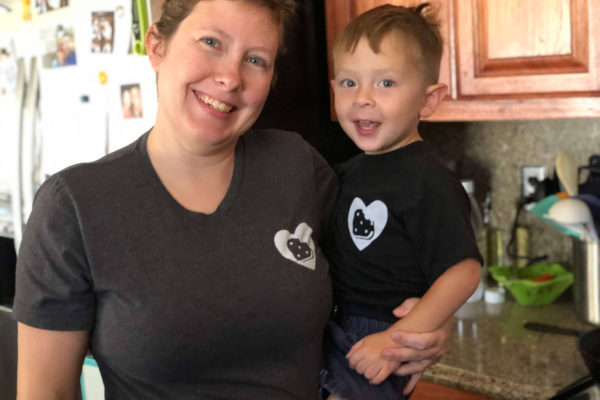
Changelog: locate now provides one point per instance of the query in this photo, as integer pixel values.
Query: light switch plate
(529, 172)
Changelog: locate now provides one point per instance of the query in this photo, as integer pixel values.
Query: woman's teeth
(217, 105)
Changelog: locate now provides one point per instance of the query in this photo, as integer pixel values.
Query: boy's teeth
(217, 105)
(367, 124)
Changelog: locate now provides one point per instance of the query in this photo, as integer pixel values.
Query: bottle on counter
(494, 249)
(494, 256)
(479, 230)
(522, 235)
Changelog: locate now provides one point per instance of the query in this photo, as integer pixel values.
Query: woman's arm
(416, 351)
(49, 363)
(421, 349)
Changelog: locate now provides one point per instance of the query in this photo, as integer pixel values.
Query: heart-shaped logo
(366, 223)
(297, 247)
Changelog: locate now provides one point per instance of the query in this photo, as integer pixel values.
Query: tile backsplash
(492, 154)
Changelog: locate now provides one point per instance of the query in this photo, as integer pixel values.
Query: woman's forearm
(49, 363)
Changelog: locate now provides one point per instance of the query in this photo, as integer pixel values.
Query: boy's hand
(365, 357)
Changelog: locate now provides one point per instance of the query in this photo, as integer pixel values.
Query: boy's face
(378, 97)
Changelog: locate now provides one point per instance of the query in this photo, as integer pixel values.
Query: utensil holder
(586, 286)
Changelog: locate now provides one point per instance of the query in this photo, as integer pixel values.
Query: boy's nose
(364, 98)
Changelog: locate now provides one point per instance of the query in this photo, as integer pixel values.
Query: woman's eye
(257, 61)
(347, 83)
(211, 41)
(386, 83)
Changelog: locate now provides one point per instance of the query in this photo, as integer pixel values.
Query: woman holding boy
(189, 262)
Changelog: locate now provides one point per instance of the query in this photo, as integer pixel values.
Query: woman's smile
(214, 103)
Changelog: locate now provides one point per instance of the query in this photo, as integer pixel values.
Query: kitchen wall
(492, 153)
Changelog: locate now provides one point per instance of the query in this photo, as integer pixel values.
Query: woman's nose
(228, 75)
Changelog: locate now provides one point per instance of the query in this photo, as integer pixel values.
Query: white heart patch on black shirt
(366, 223)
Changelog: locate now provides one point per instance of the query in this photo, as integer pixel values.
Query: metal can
(586, 286)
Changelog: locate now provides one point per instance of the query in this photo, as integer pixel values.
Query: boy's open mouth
(366, 127)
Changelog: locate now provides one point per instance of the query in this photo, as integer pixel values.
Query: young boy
(401, 225)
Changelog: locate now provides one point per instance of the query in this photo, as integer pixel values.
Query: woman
(188, 261)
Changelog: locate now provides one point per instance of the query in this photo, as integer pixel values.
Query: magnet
(102, 77)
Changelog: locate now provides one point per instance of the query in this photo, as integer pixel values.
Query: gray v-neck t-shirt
(179, 304)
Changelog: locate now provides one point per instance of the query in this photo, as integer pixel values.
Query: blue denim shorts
(339, 378)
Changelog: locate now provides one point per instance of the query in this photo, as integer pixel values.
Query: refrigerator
(75, 84)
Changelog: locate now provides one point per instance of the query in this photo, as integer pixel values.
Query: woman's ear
(434, 94)
(155, 47)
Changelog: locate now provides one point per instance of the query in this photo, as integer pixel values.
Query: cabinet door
(527, 47)
(340, 12)
(432, 391)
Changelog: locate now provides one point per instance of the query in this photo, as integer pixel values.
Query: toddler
(401, 225)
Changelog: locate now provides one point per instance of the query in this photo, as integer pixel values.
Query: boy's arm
(450, 291)
(439, 303)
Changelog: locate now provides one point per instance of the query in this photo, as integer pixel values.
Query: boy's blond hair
(420, 33)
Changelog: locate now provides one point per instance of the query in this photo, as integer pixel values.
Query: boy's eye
(386, 83)
(347, 83)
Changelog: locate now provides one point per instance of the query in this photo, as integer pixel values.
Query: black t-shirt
(184, 305)
(401, 219)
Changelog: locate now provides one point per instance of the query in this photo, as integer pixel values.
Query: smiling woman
(190, 261)
(214, 76)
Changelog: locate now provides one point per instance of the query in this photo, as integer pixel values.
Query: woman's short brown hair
(175, 11)
(421, 33)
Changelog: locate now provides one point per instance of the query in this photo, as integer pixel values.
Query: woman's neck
(198, 179)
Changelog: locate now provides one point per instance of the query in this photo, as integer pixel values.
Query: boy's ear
(155, 47)
(332, 83)
(434, 94)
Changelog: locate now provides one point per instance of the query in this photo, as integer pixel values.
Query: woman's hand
(416, 351)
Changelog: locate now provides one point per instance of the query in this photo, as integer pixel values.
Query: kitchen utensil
(586, 286)
(574, 211)
(580, 229)
(567, 172)
(566, 169)
(540, 209)
(588, 343)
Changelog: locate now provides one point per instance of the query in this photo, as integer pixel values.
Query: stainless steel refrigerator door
(15, 128)
(29, 149)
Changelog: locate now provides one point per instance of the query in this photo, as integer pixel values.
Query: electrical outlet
(530, 173)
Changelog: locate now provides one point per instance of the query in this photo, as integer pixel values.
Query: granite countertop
(490, 352)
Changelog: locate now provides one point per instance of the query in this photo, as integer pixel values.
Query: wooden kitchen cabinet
(508, 59)
(432, 391)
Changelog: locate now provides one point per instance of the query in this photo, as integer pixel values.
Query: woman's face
(214, 73)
